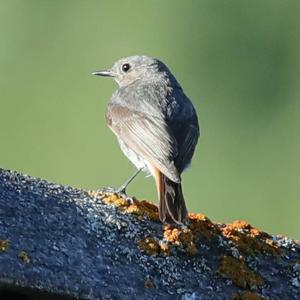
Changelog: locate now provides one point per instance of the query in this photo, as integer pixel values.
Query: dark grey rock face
(64, 242)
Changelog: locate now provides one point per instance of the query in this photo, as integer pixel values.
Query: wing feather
(187, 146)
(148, 136)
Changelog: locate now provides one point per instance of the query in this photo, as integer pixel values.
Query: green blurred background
(239, 62)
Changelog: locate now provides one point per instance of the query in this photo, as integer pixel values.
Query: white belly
(138, 161)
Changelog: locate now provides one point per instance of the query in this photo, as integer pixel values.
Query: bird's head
(127, 70)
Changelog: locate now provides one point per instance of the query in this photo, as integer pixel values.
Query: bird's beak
(106, 73)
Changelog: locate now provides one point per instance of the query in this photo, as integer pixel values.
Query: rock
(58, 242)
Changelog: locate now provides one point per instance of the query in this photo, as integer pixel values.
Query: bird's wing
(148, 136)
(187, 145)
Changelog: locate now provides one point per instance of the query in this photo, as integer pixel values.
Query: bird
(156, 125)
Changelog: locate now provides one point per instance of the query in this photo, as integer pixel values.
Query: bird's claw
(120, 192)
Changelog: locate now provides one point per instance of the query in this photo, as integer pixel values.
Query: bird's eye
(125, 67)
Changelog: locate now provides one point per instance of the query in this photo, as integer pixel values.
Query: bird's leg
(122, 188)
(121, 191)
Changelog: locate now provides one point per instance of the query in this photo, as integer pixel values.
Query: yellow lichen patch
(201, 225)
(181, 237)
(164, 248)
(247, 295)
(4, 245)
(149, 245)
(115, 200)
(239, 273)
(139, 208)
(143, 209)
(249, 239)
(24, 257)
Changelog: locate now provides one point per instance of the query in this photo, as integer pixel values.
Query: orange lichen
(201, 225)
(249, 239)
(4, 245)
(139, 208)
(164, 248)
(24, 257)
(239, 273)
(149, 245)
(247, 295)
(143, 209)
(152, 246)
(115, 200)
(183, 237)
(187, 236)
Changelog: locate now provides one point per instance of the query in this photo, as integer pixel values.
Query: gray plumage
(156, 125)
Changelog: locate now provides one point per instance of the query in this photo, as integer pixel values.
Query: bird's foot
(120, 192)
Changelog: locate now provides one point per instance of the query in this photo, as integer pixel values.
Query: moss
(247, 295)
(4, 245)
(24, 257)
(248, 239)
(239, 273)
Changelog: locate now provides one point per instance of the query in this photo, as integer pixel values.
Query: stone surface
(70, 242)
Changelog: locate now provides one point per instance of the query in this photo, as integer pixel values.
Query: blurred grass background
(239, 62)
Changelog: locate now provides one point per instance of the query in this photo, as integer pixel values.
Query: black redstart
(156, 125)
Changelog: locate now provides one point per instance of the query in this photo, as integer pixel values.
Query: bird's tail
(172, 207)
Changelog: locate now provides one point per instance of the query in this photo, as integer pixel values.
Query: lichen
(174, 237)
(248, 239)
(153, 246)
(143, 209)
(115, 200)
(239, 273)
(24, 257)
(201, 225)
(164, 248)
(149, 245)
(139, 208)
(181, 237)
(4, 245)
